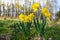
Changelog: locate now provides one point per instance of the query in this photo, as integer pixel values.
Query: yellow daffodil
(44, 10)
(48, 15)
(26, 19)
(21, 16)
(35, 6)
(31, 16)
(35, 10)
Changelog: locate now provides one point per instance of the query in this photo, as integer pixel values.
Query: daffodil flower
(47, 15)
(21, 16)
(31, 16)
(44, 10)
(35, 6)
(26, 19)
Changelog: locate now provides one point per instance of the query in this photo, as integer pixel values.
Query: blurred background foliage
(58, 15)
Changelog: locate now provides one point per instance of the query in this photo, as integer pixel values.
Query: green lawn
(7, 27)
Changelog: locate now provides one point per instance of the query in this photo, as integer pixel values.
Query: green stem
(43, 26)
(23, 28)
(35, 23)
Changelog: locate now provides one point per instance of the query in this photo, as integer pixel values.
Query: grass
(8, 18)
(6, 26)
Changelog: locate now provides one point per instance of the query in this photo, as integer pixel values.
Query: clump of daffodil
(35, 6)
(26, 19)
(31, 16)
(21, 17)
(46, 13)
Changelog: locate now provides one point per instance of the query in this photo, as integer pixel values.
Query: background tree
(58, 15)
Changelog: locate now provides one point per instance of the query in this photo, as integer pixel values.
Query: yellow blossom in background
(26, 19)
(44, 10)
(35, 6)
(21, 16)
(31, 16)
